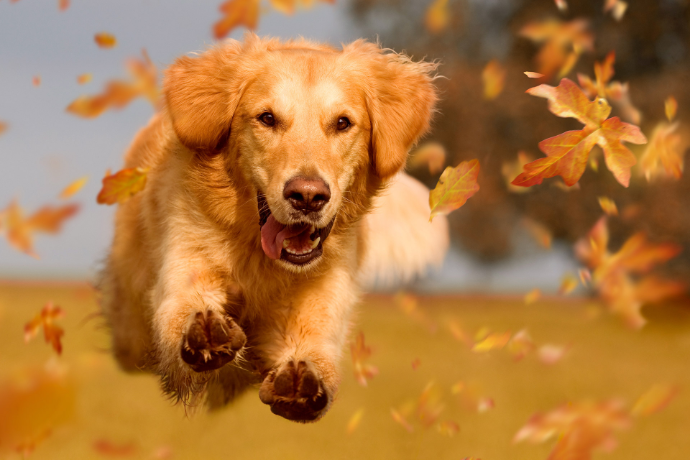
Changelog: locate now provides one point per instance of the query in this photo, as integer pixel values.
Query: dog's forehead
(303, 76)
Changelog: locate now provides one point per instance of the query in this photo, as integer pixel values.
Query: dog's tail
(401, 243)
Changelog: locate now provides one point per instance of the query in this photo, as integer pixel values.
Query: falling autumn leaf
(20, 230)
(402, 421)
(580, 428)
(654, 400)
(532, 296)
(562, 5)
(360, 354)
(353, 423)
(562, 43)
(540, 233)
(533, 74)
(448, 428)
(105, 40)
(494, 341)
(550, 354)
(110, 449)
(520, 345)
(46, 319)
(237, 13)
(664, 154)
(410, 306)
(36, 81)
(437, 16)
(431, 154)
(119, 187)
(608, 206)
(33, 403)
(493, 77)
(568, 284)
(3, 127)
(510, 169)
(670, 108)
(568, 152)
(617, 8)
(73, 188)
(615, 92)
(84, 78)
(119, 93)
(63, 5)
(454, 187)
(620, 278)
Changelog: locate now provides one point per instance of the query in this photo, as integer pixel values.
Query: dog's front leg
(193, 334)
(303, 347)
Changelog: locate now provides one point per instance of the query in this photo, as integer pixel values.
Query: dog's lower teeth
(315, 242)
(312, 229)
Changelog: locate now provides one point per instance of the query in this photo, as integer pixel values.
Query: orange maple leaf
(617, 277)
(454, 187)
(46, 319)
(360, 354)
(119, 93)
(664, 154)
(563, 42)
(615, 91)
(119, 187)
(237, 13)
(20, 230)
(567, 153)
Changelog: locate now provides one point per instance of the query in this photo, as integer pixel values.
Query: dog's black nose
(307, 194)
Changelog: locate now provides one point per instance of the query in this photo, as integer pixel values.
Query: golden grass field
(605, 359)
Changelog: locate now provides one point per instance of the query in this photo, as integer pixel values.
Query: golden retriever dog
(240, 262)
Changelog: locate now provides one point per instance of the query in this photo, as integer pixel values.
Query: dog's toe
(211, 342)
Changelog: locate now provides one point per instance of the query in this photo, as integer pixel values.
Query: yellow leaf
(73, 188)
(608, 206)
(119, 187)
(493, 77)
(454, 187)
(353, 423)
(436, 19)
(532, 296)
(671, 106)
(654, 400)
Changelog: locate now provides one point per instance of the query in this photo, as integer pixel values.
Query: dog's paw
(295, 392)
(211, 341)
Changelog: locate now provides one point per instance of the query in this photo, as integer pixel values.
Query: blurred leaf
(33, 403)
(532, 296)
(51, 332)
(563, 42)
(3, 127)
(84, 78)
(360, 354)
(20, 230)
(579, 427)
(454, 187)
(398, 417)
(353, 423)
(493, 77)
(617, 8)
(237, 13)
(562, 5)
(63, 5)
(73, 188)
(437, 16)
(448, 428)
(119, 187)
(36, 81)
(533, 74)
(664, 154)
(567, 153)
(608, 206)
(494, 341)
(540, 233)
(520, 345)
(105, 40)
(510, 169)
(119, 93)
(108, 448)
(431, 154)
(655, 400)
(670, 107)
(568, 284)
(550, 354)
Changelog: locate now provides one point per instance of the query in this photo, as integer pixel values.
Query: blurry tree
(651, 43)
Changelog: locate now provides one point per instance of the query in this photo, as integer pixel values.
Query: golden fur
(187, 249)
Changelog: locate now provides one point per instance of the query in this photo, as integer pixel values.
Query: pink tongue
(273, 233)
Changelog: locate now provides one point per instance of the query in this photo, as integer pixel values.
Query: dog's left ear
(202, 94)
(401, 97)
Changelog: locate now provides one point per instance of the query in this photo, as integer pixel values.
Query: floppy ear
(202, 94)
(401, 99)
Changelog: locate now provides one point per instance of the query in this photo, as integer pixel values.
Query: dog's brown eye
(267, 118)
(343, 123)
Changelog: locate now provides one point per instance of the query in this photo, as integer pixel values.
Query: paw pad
(211, 342)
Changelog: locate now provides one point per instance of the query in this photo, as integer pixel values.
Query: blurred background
(507, 242)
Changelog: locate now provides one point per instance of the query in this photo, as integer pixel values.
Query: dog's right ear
(202, 96)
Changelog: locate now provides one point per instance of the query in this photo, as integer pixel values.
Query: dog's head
(312, 132)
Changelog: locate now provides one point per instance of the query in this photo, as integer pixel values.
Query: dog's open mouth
(298, 243)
